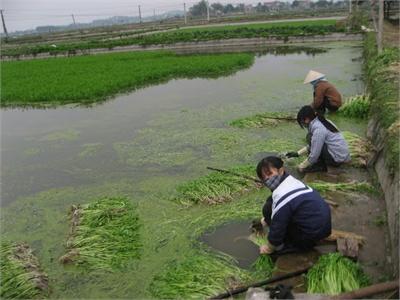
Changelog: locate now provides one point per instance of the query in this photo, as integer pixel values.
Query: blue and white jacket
(295, 204)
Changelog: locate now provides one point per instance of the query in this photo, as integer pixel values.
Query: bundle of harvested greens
(334, 274)
(103, 234)
(263, 120)
(263, 266)
(21, 277)
(360, 149)
(199, 275)
(353, 186)
(356, 107)
(215, 188)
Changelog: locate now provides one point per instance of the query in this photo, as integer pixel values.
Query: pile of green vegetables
(353, 186)
(21, 277)
(215, 187)
(360, 149)
(263, 120)
(263, 266)
(356, 107)
(104, 235)
(334, 274)
(199, 275)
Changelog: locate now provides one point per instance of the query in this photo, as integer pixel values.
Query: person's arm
(319, 94)
(317, 142)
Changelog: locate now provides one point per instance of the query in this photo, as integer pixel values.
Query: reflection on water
(48, 148)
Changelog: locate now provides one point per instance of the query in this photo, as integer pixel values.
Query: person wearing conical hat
(326, 96)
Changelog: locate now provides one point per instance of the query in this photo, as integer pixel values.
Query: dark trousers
(325, 105)
(295, 240)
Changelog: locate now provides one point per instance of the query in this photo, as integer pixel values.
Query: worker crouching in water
(297, 216)
(326, 145)
(326, 96)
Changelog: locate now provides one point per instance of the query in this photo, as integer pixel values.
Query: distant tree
(295, 3)
(199, 9)
(217, 7)
(240, 7)
(322, 4)
(261, 7)
(229, 8)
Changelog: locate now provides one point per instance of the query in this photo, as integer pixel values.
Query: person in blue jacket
(297, 216)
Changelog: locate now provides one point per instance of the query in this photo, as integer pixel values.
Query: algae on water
(266, 119)
(21, 276)
(103, 235)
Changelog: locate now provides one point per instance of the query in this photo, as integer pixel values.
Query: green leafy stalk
(363, 187)
(21, 277)
(266, 119)
(334, 274)
(104, 234)
(356, 107)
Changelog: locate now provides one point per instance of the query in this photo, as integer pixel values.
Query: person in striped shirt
(297, 216)
(327, 146)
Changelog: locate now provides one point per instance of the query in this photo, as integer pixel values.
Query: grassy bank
(282, 29)
(94, 78)
(382, 76)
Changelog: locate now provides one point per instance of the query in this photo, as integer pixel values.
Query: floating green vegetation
(216, 187)
(90, 149)
(198, 275)
(21, 277)
(356, 107)
(334, 274)
(281, 29)
(94, 78)
(61, 136)
(104, 235)
(32, 151)
(353, 186)
(360, 149)
(266, 119)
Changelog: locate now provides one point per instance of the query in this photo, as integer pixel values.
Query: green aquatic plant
(90, 149)
(353, 186)
(356, 107)
(360, 149)
(215, 187)
(21, 276)
(97, 77)
(263, 266)
(266, 119)
(334, 274)
(103, 235)
(197, 275)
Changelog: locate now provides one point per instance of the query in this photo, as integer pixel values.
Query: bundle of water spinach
(21, 276)
(103, 235)
(334, 274)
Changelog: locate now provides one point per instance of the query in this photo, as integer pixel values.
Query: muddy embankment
(229, 45)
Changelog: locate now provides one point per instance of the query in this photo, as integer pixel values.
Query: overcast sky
(27, 14)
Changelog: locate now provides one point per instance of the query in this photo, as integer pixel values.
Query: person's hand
(266, 249)
(303, 165)
(292, 154)
(264, 224)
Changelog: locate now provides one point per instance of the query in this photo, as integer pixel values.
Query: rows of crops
(282, 30)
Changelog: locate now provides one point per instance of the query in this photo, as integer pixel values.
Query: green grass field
(280, 29)
(87, 79)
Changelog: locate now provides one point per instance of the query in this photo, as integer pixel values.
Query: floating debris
(103, 234)
(266, 119)
(216, 187)
(360, 149)
(198, 275)
(21, 276)
(334, 274)
(356, 107)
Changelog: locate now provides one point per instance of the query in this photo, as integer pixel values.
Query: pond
(143, 144)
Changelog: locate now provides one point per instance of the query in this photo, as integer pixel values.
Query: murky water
(142, 145)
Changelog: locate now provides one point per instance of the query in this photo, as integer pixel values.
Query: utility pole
(73, 19)
(154, 13)
(350, 6)
(380, 26)
(140, 15)
(4, 23)
(208, 12)
(184, 12)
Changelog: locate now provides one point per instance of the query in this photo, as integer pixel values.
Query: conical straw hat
(313, 75)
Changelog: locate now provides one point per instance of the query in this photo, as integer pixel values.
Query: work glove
(304, 165)
(291, 154)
